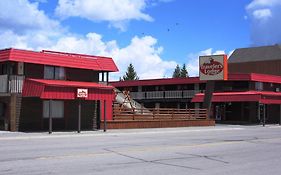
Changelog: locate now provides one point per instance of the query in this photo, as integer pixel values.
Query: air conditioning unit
(277, 89)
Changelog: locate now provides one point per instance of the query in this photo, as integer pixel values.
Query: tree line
(131, 74)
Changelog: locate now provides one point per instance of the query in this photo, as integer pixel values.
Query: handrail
(165, 94)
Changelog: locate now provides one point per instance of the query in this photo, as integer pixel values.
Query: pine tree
(183, 72)
(131, 74)
(177, 72)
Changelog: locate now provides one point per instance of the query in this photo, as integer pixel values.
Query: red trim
(192, 80)
(225, 67)
(59, 59)
(254, 96)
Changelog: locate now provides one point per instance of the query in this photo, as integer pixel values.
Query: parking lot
(223, 149)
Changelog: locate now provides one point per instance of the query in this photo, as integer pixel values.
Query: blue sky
(154, 35)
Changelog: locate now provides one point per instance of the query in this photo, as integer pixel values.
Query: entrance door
(219, 111)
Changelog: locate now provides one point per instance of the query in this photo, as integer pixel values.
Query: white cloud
(265, 19)
(23, 25)
(39, 32)
(260, 3)
(141, 52)
(117, 12)
(21, 15)
(145, 56)
(262, 14)
(193, 60)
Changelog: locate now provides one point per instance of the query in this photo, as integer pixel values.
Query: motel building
(50, 90)
(250, 92)
(54, 91)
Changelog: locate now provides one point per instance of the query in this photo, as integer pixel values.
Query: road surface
(223, 149)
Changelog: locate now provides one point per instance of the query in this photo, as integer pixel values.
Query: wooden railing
(165, 94)
(11, 83)
(159, 114)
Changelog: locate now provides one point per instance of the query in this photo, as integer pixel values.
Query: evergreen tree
(177, 72)
(131, 74)
(183, 72)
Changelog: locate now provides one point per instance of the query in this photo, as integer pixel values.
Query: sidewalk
(7, 135)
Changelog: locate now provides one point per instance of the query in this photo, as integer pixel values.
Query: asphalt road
(198, 150)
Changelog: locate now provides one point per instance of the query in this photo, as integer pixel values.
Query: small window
(259, 86)
(54, 73)
(49, 72)
(57, 109)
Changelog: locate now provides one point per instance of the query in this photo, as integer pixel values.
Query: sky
(153, 35)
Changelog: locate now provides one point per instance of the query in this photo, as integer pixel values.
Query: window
(259, 86)
(54, 73)
(57, 109)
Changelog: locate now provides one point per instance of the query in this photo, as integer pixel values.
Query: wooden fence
(153, 114)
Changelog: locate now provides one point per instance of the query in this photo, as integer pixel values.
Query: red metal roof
(191, 80)
(62, 59)
(247, 96)
(59, 89)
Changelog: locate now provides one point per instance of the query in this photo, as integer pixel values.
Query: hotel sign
(213, 67)
(82, 93)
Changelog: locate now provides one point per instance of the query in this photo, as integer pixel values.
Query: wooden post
(95, 117)
(79, 116)
(207, 103)
(50, 117)
(107, 77)
(279, 114)
(102, 77)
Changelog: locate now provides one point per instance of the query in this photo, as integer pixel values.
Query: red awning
(60, 89)
(264, 97)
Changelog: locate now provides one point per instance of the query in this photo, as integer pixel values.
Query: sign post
(81, 94)
(211, 68)
(262, 113)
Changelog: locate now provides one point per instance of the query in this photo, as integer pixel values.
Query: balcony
(11, 83)
(165, 94)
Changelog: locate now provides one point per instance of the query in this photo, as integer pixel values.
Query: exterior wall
(272, 67)
(272, 113)
(31, 118)
(34, 71)
(37, 71)
(88, 114)
(31, 114)
(5, 120)
(81, 75)
(108, 109)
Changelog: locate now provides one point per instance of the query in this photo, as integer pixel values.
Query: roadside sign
(82, 93)
(213, 67)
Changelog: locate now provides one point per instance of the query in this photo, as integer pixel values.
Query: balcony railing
(11, 83)
(165, 94)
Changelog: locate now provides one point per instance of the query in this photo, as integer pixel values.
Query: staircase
(15, 103)
(124, 100)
